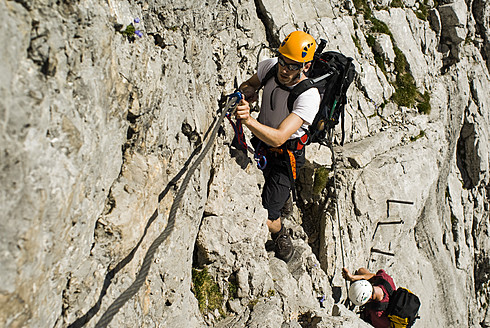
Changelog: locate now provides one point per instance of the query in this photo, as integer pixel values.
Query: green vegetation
(357, 43)
(321, 179)
(206, 291)
(232, 289)
(401, 64)
(380, 27)
(423, 11)
(417, 137)
(424, 105)
(406, 93)
(405, 90)
(252, 303)
(370, 39)
(397, 4)
(362, 6)
(380, 62)
(129, 31)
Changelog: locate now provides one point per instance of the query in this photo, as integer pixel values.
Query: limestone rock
(384, 47)
(454, 19)
(101, 126)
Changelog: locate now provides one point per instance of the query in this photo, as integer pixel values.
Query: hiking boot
(284, 247)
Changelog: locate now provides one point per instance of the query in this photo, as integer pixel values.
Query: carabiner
(233, 101)
(261, 162)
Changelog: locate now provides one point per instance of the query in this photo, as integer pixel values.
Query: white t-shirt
(305, 106)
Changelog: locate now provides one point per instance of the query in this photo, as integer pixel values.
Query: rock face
(102, 128)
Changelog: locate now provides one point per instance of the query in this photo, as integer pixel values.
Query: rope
(334, 166)
(147, 261)
(259, 158)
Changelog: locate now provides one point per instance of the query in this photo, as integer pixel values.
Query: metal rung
(386, 223)
(391, 222)
(406, 202)
(399, 201)
(375, 250)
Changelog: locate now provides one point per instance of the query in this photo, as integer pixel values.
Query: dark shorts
(276, 189)
(278, 184)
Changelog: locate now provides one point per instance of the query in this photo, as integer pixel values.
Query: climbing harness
(288, 151)
(292, 159)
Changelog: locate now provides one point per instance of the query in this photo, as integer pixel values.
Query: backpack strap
(380, 306)
(306, 85)
(297, 91)
(270, 74)
(342, 126)
(347, 76)
(386, 285)
(376, 306)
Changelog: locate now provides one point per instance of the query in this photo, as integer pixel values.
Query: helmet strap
(294, 80)
(298, 76)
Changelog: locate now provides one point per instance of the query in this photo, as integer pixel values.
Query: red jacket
(379, 319)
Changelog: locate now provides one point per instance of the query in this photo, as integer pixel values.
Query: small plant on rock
(423, 10)
(406, 91)
(405, 88)
(424, 105)
(321, 179)
(397, 4)
(130, 31)
(206, 291)
(417, 137)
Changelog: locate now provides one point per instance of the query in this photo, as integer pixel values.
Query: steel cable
(145, 266)
(334, 166)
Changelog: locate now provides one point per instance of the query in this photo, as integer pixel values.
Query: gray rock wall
(99, 129)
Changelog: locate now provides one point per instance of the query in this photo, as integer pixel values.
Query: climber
(277, 131)
(368, 287)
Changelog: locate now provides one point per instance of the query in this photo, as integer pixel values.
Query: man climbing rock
(277, 131)
(368, 290)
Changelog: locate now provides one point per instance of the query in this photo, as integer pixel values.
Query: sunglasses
(290, 67)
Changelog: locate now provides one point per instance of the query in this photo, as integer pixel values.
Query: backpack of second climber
(402, 308)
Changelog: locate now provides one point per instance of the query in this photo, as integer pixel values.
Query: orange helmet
(298, 46)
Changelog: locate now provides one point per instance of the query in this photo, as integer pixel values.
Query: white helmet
(360, 292)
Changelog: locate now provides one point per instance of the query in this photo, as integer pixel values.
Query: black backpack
(331, 73)
(402, 309)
